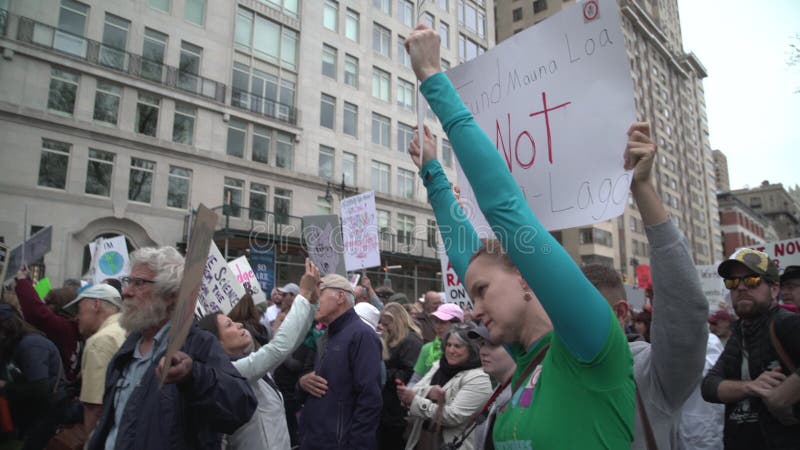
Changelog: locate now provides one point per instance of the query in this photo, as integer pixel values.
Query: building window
(444, 33)
(384, 218)
(258, 201)
(326, 155)
(53, 164)
(406, 13)
(327, 109)
(183, 126)
(99, 171)
(539, 6)
(349, 165)
(140, 183)
(351, 25)
(380, 177)
(237, 132)
(380, 84)
(189, 68)
(405, 229)
(402, 55)
(350, 119)
(431, 233)
(405, 183)
(261, 141)
(262, 92)
(428, 19)
(282, 205)
(329, 61)
(324, 206)
(381, 40)
(447, 153)
(153, 50)
(106, 102)
(147, 114)
(284, 155)
(405, 94)
(287, 6)
(384, 6)
(405, 133)
(351, 71)
(180, 182)
(232, 196)
(72, 20)
(115, 41)
(443, 4)
(330, 15)
(516, 15)
(267, 39)
(381, 127)
(445, 65)
(472, 17)
(468, 49)
(596, 236)
(195, 11)
(161, 5)
(63, 90)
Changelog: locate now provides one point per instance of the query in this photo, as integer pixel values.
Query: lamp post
(341, 189)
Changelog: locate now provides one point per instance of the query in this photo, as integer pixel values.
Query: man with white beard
(203, 395)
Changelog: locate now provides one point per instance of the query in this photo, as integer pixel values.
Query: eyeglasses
(136, 282)
(750, 282)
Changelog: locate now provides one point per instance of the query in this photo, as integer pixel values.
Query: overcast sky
(751, 100)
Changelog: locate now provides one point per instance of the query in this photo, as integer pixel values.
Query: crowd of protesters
(552, 356)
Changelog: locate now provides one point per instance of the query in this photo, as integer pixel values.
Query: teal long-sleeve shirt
(581, 316)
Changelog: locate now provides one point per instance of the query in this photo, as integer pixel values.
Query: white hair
(108, 308)
(167, 263)
(351, 299)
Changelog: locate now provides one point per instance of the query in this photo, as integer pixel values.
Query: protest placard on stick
(33, 249)
(323, 241)
(185, 307)
(360, 232)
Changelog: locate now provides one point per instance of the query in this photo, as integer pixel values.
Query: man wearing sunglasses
(759, 387)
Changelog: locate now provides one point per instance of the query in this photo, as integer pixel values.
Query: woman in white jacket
(457, 381)
(267, 428)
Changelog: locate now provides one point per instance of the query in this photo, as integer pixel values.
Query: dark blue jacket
(347, 416)
(190, 415)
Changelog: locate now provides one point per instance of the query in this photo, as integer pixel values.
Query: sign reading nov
(557, 99)
(785, 253)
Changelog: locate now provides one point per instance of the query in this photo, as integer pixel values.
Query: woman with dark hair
(31, 378)
(452, 391)
(642, 324)
(267, 428)
(246, 313)
(401, 340)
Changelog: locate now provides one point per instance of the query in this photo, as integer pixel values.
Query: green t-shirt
(428, 354)
(568, 404)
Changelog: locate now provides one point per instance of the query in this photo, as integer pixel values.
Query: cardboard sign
(712, 284)
(35, 248)
(219, 291)
(360, 232)
(785, 253)
(194, 265)
(246, 278)
(557, 100)
(454, 290)
(322, 238)
(109, 258)
(643, 280)
(263, 263)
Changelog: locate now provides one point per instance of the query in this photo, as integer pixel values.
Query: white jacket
(465, 394)
(267, 428)
(703, 423)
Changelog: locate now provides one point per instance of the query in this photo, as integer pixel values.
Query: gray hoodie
(669, 369)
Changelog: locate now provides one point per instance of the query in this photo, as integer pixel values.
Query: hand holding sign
(428, 150)
(423, 46)
(309, 282)
(640, 153)
(180, 368)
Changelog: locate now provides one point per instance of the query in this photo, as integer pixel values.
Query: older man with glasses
(756, 376)
(203, 395)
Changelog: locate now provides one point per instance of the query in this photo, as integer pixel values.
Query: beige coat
(465, 394)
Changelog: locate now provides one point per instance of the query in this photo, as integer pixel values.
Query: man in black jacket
(203, 395)
(759, 387)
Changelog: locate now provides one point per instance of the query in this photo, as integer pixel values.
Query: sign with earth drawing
(109, 258)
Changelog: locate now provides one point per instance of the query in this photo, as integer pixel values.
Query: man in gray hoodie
(669, 368)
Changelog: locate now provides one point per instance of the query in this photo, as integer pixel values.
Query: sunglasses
(750, 282)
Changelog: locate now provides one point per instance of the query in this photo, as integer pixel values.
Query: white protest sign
(454, 290)
(360, 232)
(785, 253)
(220, 290)
(323, 241)
(557, 99)
(247, 279)
(712, 284)
(111, 260)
